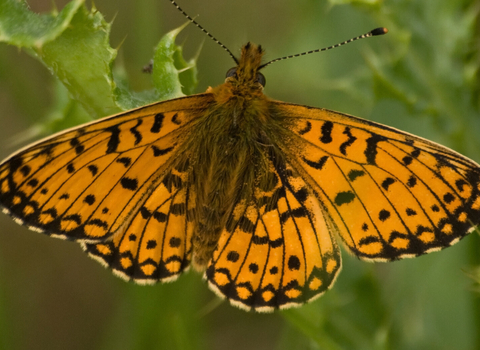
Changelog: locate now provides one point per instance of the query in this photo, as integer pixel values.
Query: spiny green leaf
(23, 28)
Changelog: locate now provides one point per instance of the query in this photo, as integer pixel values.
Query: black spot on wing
(368, 240)
(70, 168)
(129, 184)
(448, 198)
(326, 132)
(76, 145)
(307, 128)
(460, 184)
(354, 174)
(412, 181)
(316, 164)
(293, 263)
(407, 160)
(253, 268)
(276, 243)
(344, 197)
(98, 223)
(415, 153)
(175, 242)
(387, 182)
(126, 161)
(74, 217)
(145, 213)
(411, 212)
(32, 183)
(176, 120)
(349, 142)
(151, 244)
(383, 215)
(159, 216)
(371, 150)
(160, 152)
(93, 169)
(158, 123)
(25, 170)
(114, 139)
(233, 256)
(89, 199)
(136, 133)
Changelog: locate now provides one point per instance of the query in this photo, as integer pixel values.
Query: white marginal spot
(98, 258)
(36, 229)
(471, 229)
(407, 256)
(18, 220)
(215, 289)
(374, 260)
(290, 305)
(169, 279)
(265, 309)
(6, 211)
(121, 274)
(92, 241)
(456, 240)
(62, 237)
(432, 250)
(240, 305)
(143, 282)
(204, 277)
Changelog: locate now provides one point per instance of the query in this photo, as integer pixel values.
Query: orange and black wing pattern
(389, 194)
(117, 185)
(278, 250)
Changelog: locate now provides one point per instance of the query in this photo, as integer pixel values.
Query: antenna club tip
(379, 31)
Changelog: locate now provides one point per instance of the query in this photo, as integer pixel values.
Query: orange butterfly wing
(110, 181)
(390, 194)
(279, 251)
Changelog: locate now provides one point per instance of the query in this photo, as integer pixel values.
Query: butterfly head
(246, 73)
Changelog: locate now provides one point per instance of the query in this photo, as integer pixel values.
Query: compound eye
(231, 72)
(261, 79)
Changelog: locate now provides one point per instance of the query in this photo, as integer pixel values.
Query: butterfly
(256, 193)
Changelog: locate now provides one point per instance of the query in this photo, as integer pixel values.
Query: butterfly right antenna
(374, 32)
(204, 30)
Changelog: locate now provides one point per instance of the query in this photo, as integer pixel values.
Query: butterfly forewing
(84, 183)
(390, 194)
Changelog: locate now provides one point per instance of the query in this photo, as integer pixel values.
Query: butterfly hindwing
(390, 194)
(278, 249)
(157, 243)
(85, 183)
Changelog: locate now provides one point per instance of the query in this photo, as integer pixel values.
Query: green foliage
(422, 77)
(74, 45)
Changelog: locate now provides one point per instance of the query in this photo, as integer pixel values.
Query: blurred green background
(422, 77)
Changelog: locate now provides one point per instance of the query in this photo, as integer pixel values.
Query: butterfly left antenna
(204, 30)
